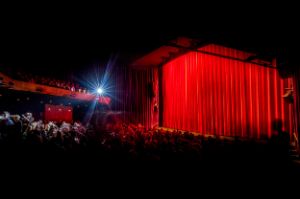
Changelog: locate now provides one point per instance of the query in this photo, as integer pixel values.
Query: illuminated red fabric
(221, 96)
(58, 113)
(297, 101)
(104, 100)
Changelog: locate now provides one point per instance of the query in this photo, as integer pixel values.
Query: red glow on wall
(221, 96)
(58, 113)
(104, 100)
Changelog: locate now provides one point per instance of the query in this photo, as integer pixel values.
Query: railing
(48, 90)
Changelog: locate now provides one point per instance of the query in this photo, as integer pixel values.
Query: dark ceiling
(70, 40)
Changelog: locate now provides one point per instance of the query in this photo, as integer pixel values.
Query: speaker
(150, 90)
(285, 72)
(286, 66)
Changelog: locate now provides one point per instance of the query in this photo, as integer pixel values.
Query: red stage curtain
(136, 95)
(296, 95)
(58, 113)
(142, 90)
(221, 96)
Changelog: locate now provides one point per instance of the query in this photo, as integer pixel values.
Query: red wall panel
(58, 113)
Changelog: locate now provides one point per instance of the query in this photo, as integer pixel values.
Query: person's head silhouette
(277, 125)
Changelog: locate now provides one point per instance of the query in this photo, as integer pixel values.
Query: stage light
(100, 91)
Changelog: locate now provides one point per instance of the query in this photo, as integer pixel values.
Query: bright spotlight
(100, 91)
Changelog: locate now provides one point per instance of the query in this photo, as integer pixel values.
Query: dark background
(58, 39)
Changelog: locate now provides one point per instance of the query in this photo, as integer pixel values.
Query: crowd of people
(18, 130)
(64, 84)
(126, 141)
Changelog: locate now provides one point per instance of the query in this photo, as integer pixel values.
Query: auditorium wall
(136, 95)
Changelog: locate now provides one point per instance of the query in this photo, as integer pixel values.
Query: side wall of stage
(136, 95)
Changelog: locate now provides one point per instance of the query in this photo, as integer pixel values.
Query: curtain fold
(136, 95)
(296, 94)
(221, 96)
